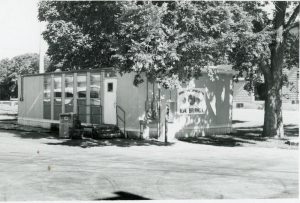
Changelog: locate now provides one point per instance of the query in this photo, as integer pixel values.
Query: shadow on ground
(120, 195)
(216, 140)
(119, 142)
(241, 136)
(36, 135)
(28, 132)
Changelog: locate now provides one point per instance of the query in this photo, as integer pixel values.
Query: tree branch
(293, 25)
(293, 17)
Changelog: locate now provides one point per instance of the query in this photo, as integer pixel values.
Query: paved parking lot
(41, 167)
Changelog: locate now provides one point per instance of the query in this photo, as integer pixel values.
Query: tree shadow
(249, 133)
(24, 131)
(86, 142)
(216, 140)
(36, 135)
(255, 132)
(240, 136)
(119, 142)
(121, 195)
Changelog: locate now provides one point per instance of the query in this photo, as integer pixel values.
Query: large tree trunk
(273, 122)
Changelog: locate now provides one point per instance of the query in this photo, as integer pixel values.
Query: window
(81, 93)
(47, 87)
(57, 86)
(57, 96)
(95, 85)
(239, 105)
(81, 86)
(69, 88)
(95, 108)
(110, 87)
(47, 97)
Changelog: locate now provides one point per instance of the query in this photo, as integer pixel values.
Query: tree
(5, 83)
(169, 41)
(78, 33)
(173, 41)
(11, 68)
(268, 48)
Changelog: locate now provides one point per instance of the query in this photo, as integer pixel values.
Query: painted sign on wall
(191, 101)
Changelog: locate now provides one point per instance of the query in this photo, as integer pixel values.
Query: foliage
(251, 54)
(168, 41)
(175, 40)
(78, 33)
(11, 68)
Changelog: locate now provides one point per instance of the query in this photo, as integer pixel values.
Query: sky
(19, 28)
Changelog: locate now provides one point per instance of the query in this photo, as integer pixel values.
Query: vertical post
(159, 116)
(125, 125)
(152, 100)
(167, 114)
(52, 97)
(42, 49)
(75, 107)
(102, 91)
(142, 125)
(88, 98)
(117, 118)
(147, 96)
(230, 103)
(176, 100)
(78, 111)
(63, 93)
(166, 130)
(147, 87)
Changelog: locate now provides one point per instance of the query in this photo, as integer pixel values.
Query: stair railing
(121, 118)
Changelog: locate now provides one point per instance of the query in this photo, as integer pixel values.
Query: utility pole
(42, 49)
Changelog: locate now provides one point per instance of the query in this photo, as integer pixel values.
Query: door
(110, 101)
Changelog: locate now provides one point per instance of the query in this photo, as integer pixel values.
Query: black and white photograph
(149, 100)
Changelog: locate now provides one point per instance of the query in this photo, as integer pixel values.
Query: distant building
(245, 99)
(291, 91)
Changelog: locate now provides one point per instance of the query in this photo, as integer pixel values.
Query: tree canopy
(11, 68)
(79, 33)
(165, 40)
(174, 41)
(169, 41)
(251, 53)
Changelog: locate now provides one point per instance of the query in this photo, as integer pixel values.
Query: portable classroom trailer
(101, 96)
